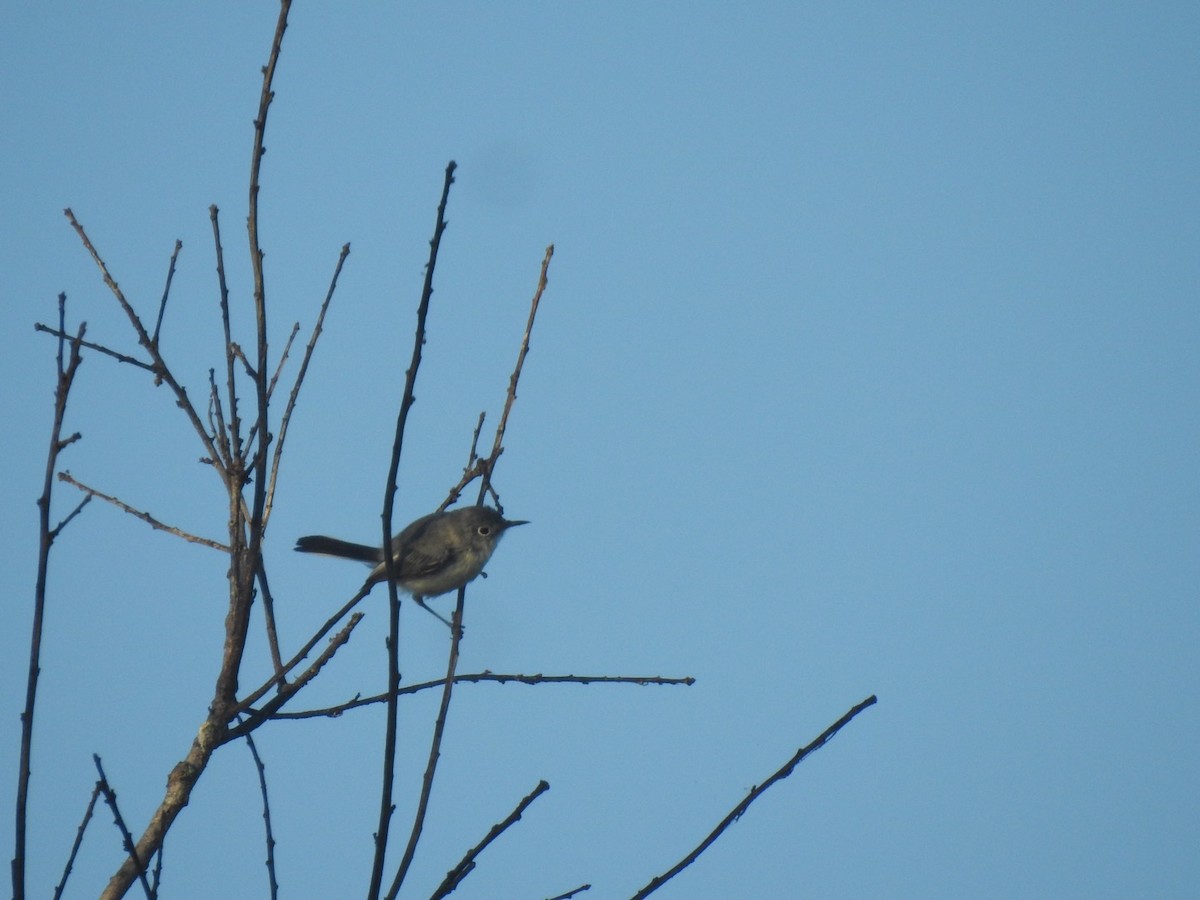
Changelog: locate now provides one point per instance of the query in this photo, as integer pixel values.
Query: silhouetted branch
(511, 397)
(435, 746)
(83, 824)
(99, 348)
(286, 419)
(110, 797)
(480, 467)
(246, 702)
(287, 691)
(262, 786)
(335, 711)
(159, 367)
(65, 378)
(389, 496)
(231, 434)
(162, 304)
(144, 516)
(268, 603)
(238, 471)
(755, 793)
(57, 529)
(455, 876)
(571, 893)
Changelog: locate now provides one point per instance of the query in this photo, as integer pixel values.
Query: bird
(433, 555)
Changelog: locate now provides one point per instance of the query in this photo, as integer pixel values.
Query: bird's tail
(319, 543)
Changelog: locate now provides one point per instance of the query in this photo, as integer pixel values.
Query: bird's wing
(417, 564)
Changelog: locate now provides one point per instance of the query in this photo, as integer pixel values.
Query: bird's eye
(485, 530)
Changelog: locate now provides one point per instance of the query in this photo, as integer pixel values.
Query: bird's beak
(510, 524)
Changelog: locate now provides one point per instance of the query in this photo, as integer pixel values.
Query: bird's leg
(420, 601)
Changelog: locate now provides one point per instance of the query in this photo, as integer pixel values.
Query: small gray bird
(434, 555)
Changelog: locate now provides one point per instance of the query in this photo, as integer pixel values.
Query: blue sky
(868, 365)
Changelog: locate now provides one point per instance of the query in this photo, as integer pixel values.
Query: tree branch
(262, 786)
(435, 747)
(406, 402)
(455, 876)
(736, 813)
(139, 514)
(334, 712)
(46, 537)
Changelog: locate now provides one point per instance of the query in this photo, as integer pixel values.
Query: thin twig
(162, 304)
(110, 797)
(435, 747)
(455, 876)
(159, 364)
(99, 348)
(283, 358)
(334, 712)
(571, 893)
(474, 454)
(268, 602)
(258, 693)
(479, 467)
(511, 397)
(144, 516)
(472, 470)
(83, 824)
(287, 691)
(156, 880)
(232, 437)
(65, 378)
(286, 419)
(57, 529)
(389, 497)
(262, 786)
(736, 813)
(216, 419)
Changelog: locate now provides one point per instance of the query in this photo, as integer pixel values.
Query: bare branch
(571, 893)
(497, 447)
(245, 533)
(162, 305)
(66, 372)
(287, 691)
(333, 712)
(144, 516)
(160, 367)
(283, 357)
(755, 793)
(99, 348)
(255, 695)
(286, 420)
(262, 786)
(83, 824)
(435, 747)
(216, 420)
(268, 602)
(471, 471)
(455, 876)
(54, 533)
(231, 437)
(389, 497)
(478, 467)
(110, 797)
